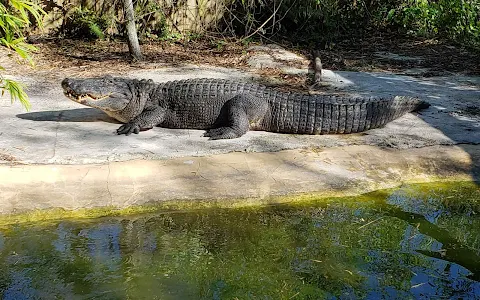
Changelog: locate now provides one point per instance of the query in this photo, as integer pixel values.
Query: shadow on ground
(454, 111)
(69, 115)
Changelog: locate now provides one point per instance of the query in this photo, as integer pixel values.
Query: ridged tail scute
(321, 114)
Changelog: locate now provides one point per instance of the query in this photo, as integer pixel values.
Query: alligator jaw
(82, 98)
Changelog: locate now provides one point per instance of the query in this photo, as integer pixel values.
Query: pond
(418, 241)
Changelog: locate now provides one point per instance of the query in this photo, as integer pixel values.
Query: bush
(151, 21)
(304, 21)
(312, 20)
(14, 19)
(317, 20)
(458, 20)
(83, 23)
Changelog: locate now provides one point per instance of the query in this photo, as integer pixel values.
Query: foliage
(320, 20)
(304, 21)
(458, 20)
(151, 21)
(87, 23)
(16, 91)
(84, 23)
(14, 19)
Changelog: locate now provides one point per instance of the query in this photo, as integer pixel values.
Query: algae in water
(416, 241)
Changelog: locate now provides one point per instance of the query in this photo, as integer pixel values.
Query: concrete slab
(259, 178)
(62, 154)
(59, 131)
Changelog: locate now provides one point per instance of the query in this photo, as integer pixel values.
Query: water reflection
(416, 242)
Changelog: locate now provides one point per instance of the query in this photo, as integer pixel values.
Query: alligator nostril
(65, 82)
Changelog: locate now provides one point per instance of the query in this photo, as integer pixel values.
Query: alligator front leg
(144, 121)
(235, 117)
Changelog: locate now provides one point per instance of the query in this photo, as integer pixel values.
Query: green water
(420, 242)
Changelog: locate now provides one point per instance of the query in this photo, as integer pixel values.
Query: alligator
(228, 109)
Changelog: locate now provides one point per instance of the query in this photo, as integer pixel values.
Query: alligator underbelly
(190, 119)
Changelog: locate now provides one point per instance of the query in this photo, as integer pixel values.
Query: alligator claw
(211, 132)
(128, 128)
(220, 133)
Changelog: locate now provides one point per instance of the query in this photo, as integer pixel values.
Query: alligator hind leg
(235, 117)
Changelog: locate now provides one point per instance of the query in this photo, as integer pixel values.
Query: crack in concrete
(108, 185)
(81, 180)
(130, 200)
(197, 172)
(56, 136)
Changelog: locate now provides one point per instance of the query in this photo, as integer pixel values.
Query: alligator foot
(221, 133)
(128, 129)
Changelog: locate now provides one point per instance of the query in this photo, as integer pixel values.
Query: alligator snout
(69, 91)
(66, 83)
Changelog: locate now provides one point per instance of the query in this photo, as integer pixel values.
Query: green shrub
(15, 17)
(83, 23)
(151, 22)
(457, 20)
(320, 20)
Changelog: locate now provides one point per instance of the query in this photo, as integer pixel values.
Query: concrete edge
(226, 180)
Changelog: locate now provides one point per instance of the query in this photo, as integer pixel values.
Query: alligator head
(106, 93)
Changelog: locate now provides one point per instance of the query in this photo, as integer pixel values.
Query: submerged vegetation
(418, 241)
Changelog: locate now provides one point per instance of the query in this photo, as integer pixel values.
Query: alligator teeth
(98, 98)
(70, 94)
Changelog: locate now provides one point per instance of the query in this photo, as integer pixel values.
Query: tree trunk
(133, 45)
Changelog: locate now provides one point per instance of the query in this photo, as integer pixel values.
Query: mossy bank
(40, 192)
